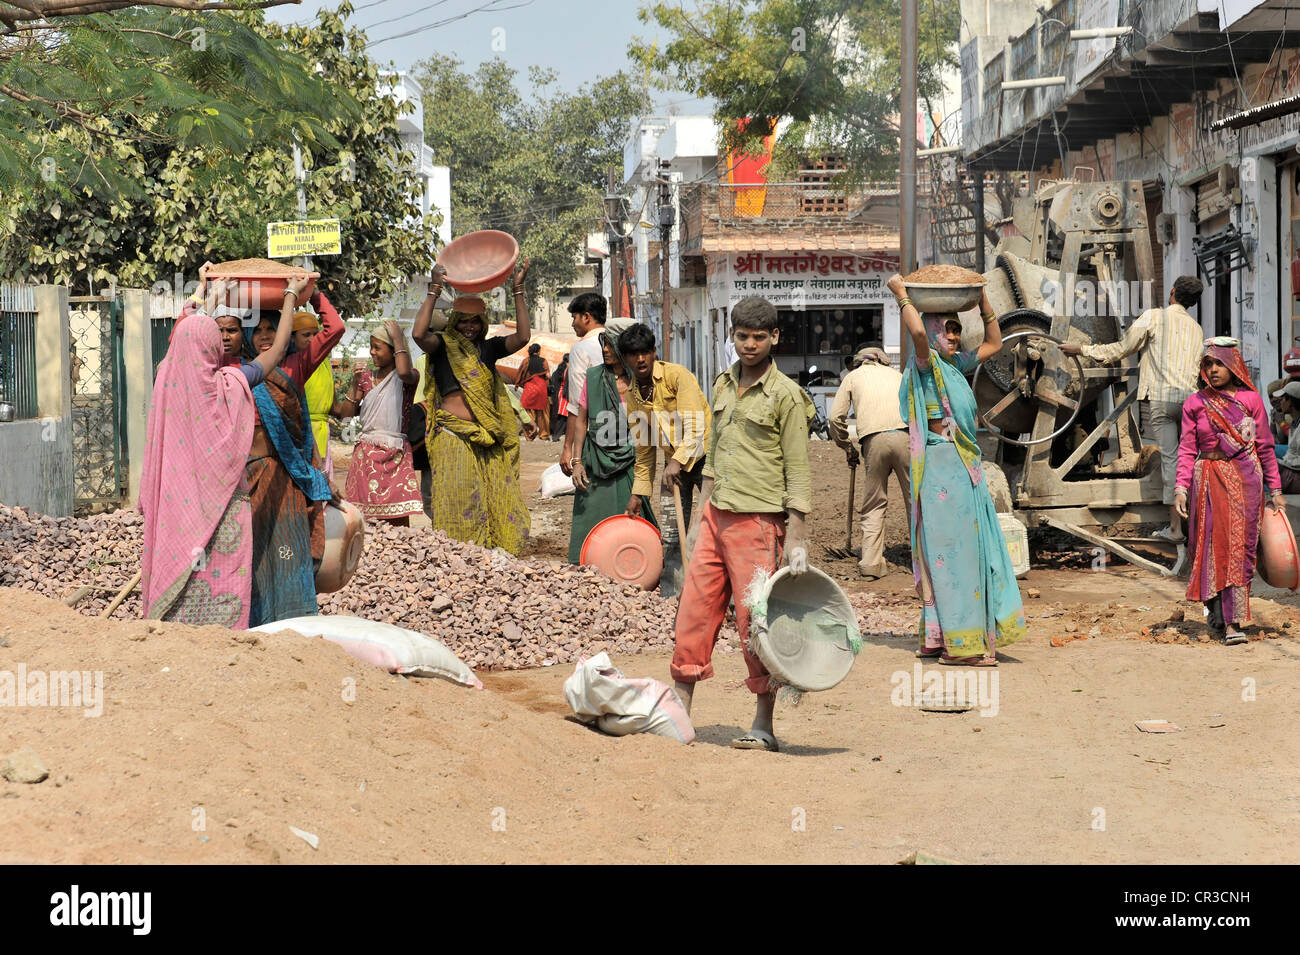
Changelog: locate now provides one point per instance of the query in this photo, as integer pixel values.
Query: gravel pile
(56, 557)
(493, 610)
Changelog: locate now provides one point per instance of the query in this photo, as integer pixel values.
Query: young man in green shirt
(755, 498)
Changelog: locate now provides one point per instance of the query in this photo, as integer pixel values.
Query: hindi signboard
(303, 237)
(803, 280)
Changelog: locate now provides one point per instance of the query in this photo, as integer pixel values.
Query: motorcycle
(818, 427)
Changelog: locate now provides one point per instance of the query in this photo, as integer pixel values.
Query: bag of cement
(555, 482)
(598, 693)
(394, 649)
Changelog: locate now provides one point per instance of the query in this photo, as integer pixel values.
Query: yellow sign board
(304, 237)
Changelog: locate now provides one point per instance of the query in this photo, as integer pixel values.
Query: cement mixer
(1062, 440)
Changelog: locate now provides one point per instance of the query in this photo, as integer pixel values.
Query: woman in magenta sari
(1225, 463)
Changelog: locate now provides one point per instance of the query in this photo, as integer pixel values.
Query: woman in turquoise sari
(970, 600)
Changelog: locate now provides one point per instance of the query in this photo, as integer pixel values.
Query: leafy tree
(532, 167)
(831, 66)
(178, 207)
(75, 87)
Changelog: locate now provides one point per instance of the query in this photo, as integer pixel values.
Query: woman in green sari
(602, 479)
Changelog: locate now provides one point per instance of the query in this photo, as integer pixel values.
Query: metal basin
(938, 299)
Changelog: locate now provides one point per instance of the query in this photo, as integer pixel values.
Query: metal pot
(345, 536)
(7, 411)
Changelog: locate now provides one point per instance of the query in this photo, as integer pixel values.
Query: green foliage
(194, 185)
(831, 66)
(532, 167)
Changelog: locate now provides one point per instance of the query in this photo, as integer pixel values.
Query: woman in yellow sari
(473, 430)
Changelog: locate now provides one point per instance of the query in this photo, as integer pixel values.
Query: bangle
(905, 301)
(990, 317)
(402, 351)
(573, 460)
(290, 291)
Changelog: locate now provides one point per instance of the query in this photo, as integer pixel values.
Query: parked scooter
(818, 427)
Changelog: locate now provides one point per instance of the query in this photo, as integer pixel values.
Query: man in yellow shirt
(666, 408)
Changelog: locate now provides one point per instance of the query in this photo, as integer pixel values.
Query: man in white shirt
(1171, 343)
(872, 389)
(588, 311)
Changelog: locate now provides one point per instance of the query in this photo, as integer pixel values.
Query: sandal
(1233, 638)
(1165, 533)
(756, 739)
(968, 661)
(924, 654)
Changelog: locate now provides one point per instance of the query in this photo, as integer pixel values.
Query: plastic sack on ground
(555, 482)
(394, 649)
(598, 693)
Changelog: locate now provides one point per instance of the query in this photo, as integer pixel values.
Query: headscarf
(876, 355)
(1217, 403)
(1228, 352)
(305, 321)
(469, 305)
(199, 434)
(607, 451)
(381, 334)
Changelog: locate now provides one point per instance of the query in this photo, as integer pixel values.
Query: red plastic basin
(479, 261)
(264, 290)
(626, 548)
(1279, 563)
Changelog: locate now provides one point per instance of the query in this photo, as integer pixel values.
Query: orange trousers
(730, 548)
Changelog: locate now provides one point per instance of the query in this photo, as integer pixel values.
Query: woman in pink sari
(1225, 462)
(198, 542)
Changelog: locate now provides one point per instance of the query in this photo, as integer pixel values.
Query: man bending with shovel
(872, 388)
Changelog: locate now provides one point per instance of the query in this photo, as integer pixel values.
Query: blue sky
(579, 39)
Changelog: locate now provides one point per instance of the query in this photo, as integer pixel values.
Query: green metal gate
(18, 348)
(160, 330)
(98, 405)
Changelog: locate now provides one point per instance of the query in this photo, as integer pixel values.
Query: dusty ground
(210, 748)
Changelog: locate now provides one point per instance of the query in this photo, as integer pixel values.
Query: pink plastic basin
(479, 261)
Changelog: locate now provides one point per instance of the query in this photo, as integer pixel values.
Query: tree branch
(15, 12)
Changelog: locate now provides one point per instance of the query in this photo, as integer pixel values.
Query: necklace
(646, 395)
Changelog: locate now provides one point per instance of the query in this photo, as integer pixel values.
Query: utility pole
(665, 235)
(301, 175)
(614, 240)
(907, 161)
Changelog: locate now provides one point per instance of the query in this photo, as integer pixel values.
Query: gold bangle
(990, 317)
(905, 301)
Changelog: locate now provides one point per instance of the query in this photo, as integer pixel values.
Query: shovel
(681, 530)
(670, 581)
(835, 552)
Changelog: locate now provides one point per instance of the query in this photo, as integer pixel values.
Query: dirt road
(209, 747)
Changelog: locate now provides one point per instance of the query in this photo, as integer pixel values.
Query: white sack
(618, 705)
(395, 649)
(555, 482)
